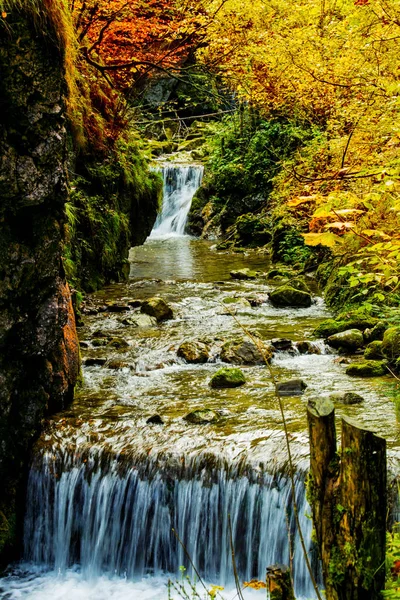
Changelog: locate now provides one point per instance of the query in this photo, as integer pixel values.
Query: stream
(106, 488)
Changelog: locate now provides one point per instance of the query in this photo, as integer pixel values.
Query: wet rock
(358, 319)
(374, 351)
(369, 368)
(276, 273)
(293, 387)
(355, 320)
(341, 360)
(328, 327)
(244, 274)
(391, 343)
(94, 362)
(376, 333)
(194, 352)
(117, 307)
(349, 340)
(135, 303)
(98, 342)
(202, 416)
(118, 343)
(244, 352)
(352, 398)
(238, 302)
(118, 364)
(83, 344)
(158, 308)
(227, 378)
(282, 344)
(155, 420)
(286, 296)
(141, 320)
(255, 301)
(299, 284)
(306, 347)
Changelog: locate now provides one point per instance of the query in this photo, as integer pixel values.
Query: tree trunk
(348, 499)
(279, 583)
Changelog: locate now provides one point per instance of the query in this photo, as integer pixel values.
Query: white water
(180, 185)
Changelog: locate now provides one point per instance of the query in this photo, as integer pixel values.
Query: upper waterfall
(180, 184)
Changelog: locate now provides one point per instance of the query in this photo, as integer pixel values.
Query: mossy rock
(277, 272)
(118, 343)
(292, 387)
(348, 340)
(227, 378)
(243, 352)
(286, 296)
(141, 320)
(158, 308)
(347, 398)
(376, 333)
(374, 351)
(328, 327)
(98, 342)
(202, 416)
(299, 284)
(391, 343)
(244, 274)
(368, 368)
(358, 319)
(194, 352)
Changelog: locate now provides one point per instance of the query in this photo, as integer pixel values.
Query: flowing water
(107, 490)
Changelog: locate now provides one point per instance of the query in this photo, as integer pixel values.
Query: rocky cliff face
(39, 353)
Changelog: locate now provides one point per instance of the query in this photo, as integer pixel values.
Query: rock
(155, 420)
(118, 364)
(358, 319)
(244, 274)
(352, 398)
(227, 378)
(141, 320)
(374, 351)
(274, 273)
(244, 352)
(293, 387)
(117, 308)
(286, 296)
(100, 334)
(299, 284)
(376, 333)
(238, 302)
(84, 345)
(355, 321)
(349, 340)
(118, 343)
(194, 352)
(369, 368)
(98, 342)
(306, 347)
(391, 343)
(94, 362)
(202, 416)
(328, 327)
(158, 308)
(135, 303)
(282, 344)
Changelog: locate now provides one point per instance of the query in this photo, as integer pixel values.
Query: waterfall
(117, 516)
(180, 184)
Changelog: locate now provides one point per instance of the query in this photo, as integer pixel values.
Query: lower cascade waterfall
(117, 516)
(180, 184)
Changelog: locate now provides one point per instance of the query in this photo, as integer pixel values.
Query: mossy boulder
(374, 351)
(98, 342)
(244, 352)
(202, 416)
(347, 398)
(158, 308)
(252, 229)
(368, 368)
(376, 333)
(244, 274)
(286, 296)
(298, 283)
(278, 273)
(348, 340)
(350, 321)
(194, 352)
(391, 343)
(227, 378)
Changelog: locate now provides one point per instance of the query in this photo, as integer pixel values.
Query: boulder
(140, 320)
(117, 307)
(237, 302)
(282, 344)
(243, 352)
(155, 420)
(299, 284)
(227, 378)
(306, 347)
(202, 416)
(374, 351)
(94, 362)
(158, 308)
(391, 343)
(329, 327)
(118, 343)
(352, 398)
(349, 340)
(287, 295)
(276, 273)
(351, 320)
(194, 352)
(292, 387)
(244, 274)
(376, 333)
(368, 368)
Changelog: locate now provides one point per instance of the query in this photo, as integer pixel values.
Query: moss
(289, 296)
(252, 230)
(391, 343)
(374, 351)
(368, 368)
(227, 378)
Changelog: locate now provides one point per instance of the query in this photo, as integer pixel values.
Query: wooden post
(279, 583)
(348, 499)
